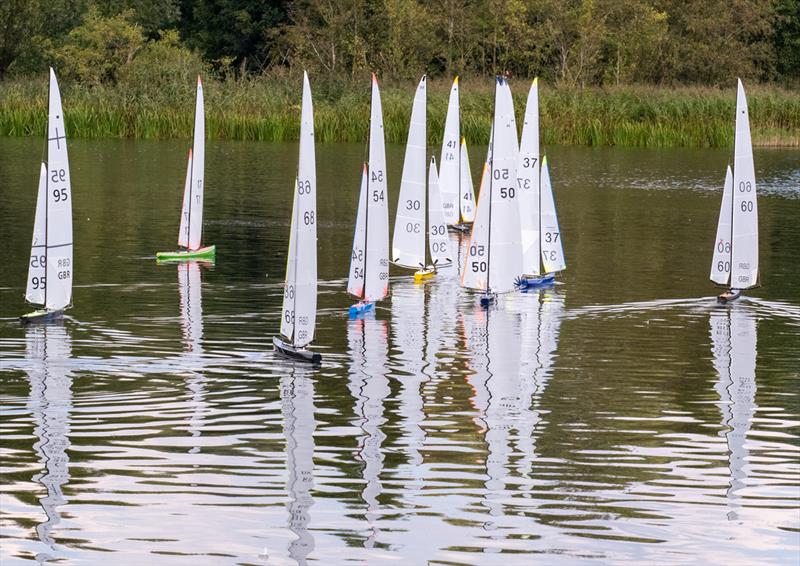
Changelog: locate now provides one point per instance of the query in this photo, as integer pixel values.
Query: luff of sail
(528, 183)
(408, 241)
(34, 290)
(355, 281)
(450, 162)
(550, 236)
(744, 249)
(467, 191)
(59, 264)
(376, 281)
(721, 260)
(198, 171)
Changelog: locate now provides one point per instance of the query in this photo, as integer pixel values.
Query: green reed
(268, 109)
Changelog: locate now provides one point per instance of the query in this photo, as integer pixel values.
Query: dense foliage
(569, 42)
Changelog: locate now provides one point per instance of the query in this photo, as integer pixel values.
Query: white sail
(355, 281)
(450, 162)
(34, 290)
(467, 194)
(438, 240)
(744, 251)
(552, 248)
(305, 282)
(721, 261)
(288, 314)
(183, 230)
(505, 253)
(59, 264)
(476, 262)
(376, 285)
(528, 183)
(198, 171)
(408, 241)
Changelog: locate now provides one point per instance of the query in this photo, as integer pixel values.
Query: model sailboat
(408, 242)
(191, 227)
(455, 182)
(735, 261)
(299, 313)
(50, 267)
(542, 250)
(369, 264)
(494, 260)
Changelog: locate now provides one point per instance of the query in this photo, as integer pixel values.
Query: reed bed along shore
(268, 109)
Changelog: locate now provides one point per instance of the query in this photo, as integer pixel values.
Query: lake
(619, 416)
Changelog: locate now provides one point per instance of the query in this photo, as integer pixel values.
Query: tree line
(568, 42)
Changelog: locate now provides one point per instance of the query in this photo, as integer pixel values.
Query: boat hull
(488, 299)
(207, 253)
(461, 227)
(533, 281)
(361, 308)
(300, 354)
(424, 274)
(42, 316)
(729, 296)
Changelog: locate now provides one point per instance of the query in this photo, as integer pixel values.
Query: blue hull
(533, 281)
(358, 309)
(487, 300)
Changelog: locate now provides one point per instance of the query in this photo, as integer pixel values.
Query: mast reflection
(733, 339)
(49, 349)
(297, 396)
(367, 341)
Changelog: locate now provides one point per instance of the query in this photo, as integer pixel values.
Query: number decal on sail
(551, 237)
(507, 192)
(308, 218)
(377, 176)
(60, 195)
(377, 196)
(747, 206)
(303, 187)
(58, 175)
(413, 205)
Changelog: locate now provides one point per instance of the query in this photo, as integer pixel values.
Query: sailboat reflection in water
(191, 296)
(512, 351)
(367, 342)
(297, 402)
(733, 339)
(49, 350)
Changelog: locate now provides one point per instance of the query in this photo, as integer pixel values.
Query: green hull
(208, 253)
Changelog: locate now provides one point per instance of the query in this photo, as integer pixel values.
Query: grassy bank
(268, 109)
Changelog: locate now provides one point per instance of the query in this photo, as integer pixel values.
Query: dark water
(621, 416)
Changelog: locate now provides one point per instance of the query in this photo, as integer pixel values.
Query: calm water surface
(620, 416)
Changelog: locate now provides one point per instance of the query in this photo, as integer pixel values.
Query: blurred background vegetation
(130, 64)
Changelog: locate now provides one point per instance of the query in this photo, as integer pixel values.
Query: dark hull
(533, 281)
(42, 316)
(296, 353)
(729, 296)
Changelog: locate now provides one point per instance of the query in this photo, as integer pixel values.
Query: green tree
(100, 47)
(787, 39)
